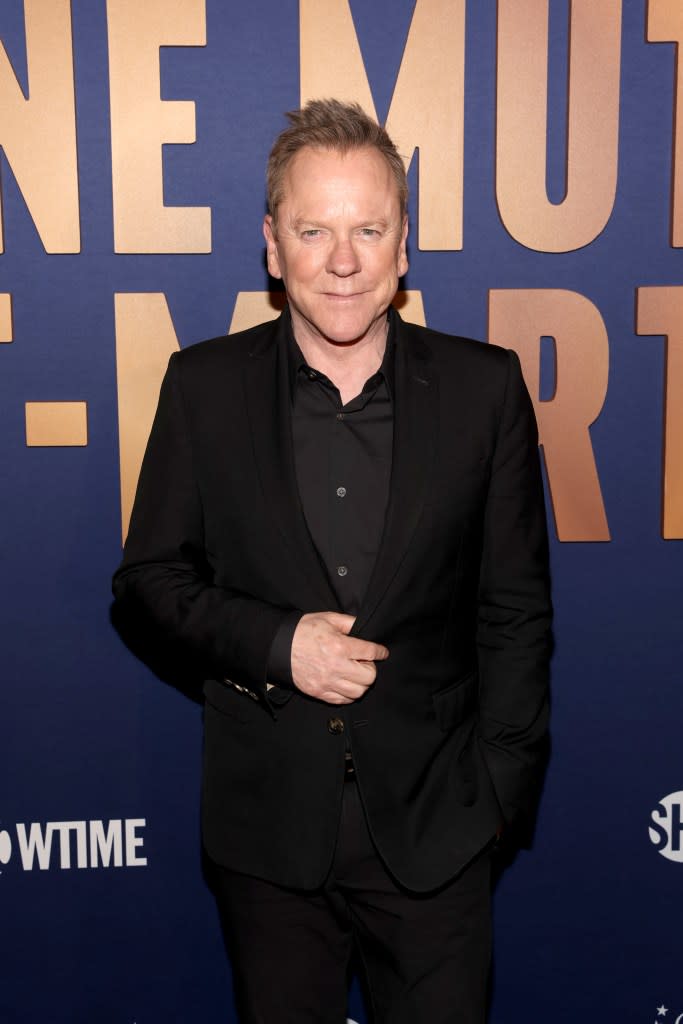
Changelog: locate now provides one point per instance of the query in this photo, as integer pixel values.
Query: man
(341, 515)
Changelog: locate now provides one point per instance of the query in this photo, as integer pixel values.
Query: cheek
(305, 268)
(388, 268)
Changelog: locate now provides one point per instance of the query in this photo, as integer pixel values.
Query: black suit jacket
(451, 737)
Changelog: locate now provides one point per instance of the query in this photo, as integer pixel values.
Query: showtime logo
(666, 830)
(74, 844)
(662, 1012)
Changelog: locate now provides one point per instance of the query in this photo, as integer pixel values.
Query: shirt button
(341, 492)
(335, 726)
(312, 374)
(340, 415)
(342, 570)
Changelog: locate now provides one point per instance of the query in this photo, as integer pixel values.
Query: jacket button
(335, 726)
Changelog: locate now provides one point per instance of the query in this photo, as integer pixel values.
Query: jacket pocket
(457, 702)
(222, 697)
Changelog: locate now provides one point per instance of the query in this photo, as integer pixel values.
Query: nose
(342, 258)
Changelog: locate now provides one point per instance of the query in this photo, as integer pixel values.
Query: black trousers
(425, 957)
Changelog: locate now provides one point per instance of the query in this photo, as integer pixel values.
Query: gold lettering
(665, 25)
(427, 107)
(145, 340)
(39, 134)
(56, 424)
(410, 306)
(518, 319)
(660, 311)
(252, 308)
(6, 332)
(141, 123)
(592, 129)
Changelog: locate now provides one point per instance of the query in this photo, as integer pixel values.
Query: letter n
(39, 134)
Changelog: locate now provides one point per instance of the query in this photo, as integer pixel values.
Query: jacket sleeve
(165, 578)
(514, 611)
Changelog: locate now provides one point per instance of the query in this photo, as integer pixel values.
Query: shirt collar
(297, 364)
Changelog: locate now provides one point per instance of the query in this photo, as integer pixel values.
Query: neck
(347, 364)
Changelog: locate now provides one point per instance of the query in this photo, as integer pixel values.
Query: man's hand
(330, 665)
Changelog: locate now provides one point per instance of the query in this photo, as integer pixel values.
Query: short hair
(330, 124)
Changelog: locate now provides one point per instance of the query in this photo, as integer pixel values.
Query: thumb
(339, 621)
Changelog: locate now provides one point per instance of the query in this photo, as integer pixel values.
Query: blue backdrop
(105, 913)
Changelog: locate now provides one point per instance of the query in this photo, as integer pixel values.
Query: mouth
(338, 297)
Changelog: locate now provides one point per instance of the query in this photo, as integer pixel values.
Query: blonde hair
(330, 124)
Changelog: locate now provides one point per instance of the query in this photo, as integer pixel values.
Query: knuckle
(369, 673)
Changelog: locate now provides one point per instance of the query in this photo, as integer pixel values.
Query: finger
(331, 697)
(340, 621)
(344, 691)
(352, 691)
(354, 673)
(364, 650)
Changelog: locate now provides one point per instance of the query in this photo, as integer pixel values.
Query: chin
(344, 336)
(344, 330)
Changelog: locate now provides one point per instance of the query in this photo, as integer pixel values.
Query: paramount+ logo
(666, 828)
(40, 846)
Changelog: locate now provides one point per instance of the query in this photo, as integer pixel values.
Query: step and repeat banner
(545, 147)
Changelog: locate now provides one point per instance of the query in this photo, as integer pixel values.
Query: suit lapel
(415, 419)
(270, 421)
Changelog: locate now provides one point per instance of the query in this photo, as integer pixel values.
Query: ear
(271, 247)
(402, 256)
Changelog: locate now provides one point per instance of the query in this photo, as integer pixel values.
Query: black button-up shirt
(342, 455)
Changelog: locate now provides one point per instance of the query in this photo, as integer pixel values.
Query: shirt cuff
(279, 670)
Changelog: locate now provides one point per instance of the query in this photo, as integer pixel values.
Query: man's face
(339, 245)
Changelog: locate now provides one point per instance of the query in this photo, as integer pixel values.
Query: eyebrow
(304, 222)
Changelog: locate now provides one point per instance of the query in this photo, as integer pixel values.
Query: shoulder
(454, 354)
(483, 379)
(225, 353)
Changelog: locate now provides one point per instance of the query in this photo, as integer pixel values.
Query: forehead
(324, 175)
